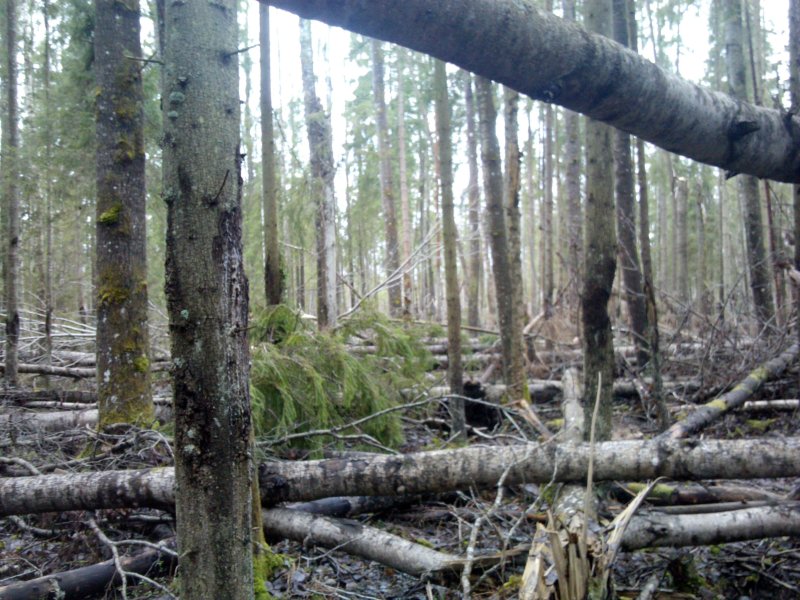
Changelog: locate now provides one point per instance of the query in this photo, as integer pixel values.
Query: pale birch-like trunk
(320, 145)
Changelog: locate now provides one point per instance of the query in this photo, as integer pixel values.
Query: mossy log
(714, 409)
(424, 472)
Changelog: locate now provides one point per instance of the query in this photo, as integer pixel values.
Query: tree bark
(760, 280)
(513, 365)
(402, 172)
(273, 276)
(514, 218)
(424, 472)
(599, 252)
(207, 298)
(630, 265)
(651, 529)
(11, 199)
(682, 237)
(473, 194)
(123, 361)
(449, 234)
(92, 580)
(583, 72)
(386, 179)
(320, 145)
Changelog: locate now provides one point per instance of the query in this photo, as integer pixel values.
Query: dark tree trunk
(443, 134)
(513, 367)
(760, 280)
(599, 250)
(207, 297)
(626, 215)
(11, 199)
(123, 363)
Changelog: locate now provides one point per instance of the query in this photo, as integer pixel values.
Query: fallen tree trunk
(18, 396)
(560, 62)
(658, 529)
(61, 420)
(355, 538)
(92, 580)
(424, 472)
(712, 410)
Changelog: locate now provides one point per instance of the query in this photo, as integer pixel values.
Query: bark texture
(11, 199)
(207, 297)
(273, 276)
(473, 194)
(540, 55)
(630, 264)
(387, 183)
(320, 144)
(123, 362)
(424, 472)
(600, 257)
(455, 375)
(513, 365)
(760, 280)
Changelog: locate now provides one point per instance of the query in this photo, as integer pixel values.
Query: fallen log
(19, 396)
(424, 472)
(93, 580)
(72, 372)
(649, 529)
(356, 538)
(62, 420)
(712, 410)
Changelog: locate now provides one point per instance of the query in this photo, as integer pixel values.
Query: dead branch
(710, 411)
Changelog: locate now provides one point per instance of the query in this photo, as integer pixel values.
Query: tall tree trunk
(11, 198)
(531, 188)
(513, 365)
(682, 247)
(584, 72)
(702, 292)
(405, 207)
(547, 245)
(387, 185)
(123, 364)
(455, 375)
(207, 297)
(794, 91)
(599, 252)
(473, 195)
(572, 152)
(320, 145)
(48, 191)
(626, 215)
(512, 187)
(273, 277)
(748, 186)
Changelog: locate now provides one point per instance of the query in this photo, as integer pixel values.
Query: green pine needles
(304, 381)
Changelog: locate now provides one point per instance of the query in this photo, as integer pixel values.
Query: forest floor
(35, 545)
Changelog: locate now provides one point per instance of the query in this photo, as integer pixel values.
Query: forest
(400, 299)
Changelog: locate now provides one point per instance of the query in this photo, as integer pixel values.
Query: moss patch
(111, 216)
